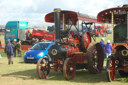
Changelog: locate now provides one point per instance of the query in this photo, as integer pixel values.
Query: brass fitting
(57, 10)
(124, 52)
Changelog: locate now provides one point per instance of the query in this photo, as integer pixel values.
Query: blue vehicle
(15, 30)
(37, 51)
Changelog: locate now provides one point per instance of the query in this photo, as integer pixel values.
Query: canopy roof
(119, 15)
(71, 16)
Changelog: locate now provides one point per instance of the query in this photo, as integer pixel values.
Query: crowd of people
(11, 48)
(107, 48)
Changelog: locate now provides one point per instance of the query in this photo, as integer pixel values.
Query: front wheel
(69, 69)
(43, 68)
(110, 69)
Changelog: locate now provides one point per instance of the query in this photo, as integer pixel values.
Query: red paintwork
(38, 34)
(116, 45)
(75, 16)
(89, 20)
(87, 39)
(99, 30)
(42, 34)
(79, 57)
(71, 49)
(50, 17)
(125, 69)
(112, 69)
(74, 42)
(26, 47)
(105, 15)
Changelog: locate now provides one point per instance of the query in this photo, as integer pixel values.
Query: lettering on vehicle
(10, 35)
(22, 24)
(47, 35)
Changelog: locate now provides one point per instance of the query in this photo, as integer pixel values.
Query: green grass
(21, 73)
(109, 37)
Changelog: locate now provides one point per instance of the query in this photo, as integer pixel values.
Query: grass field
(21, 73)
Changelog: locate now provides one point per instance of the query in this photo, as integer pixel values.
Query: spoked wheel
(43, 68)
(86, 40)
(95, 57)
(69, 69)
(110, 69)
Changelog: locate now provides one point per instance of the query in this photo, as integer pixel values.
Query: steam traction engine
(119, 58)
(72, 50)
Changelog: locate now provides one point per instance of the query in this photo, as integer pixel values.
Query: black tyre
(95, 57)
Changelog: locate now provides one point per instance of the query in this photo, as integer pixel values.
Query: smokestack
(57, 25)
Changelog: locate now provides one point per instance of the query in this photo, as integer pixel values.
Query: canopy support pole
(63, 23)
(127, 25)
(112, 18)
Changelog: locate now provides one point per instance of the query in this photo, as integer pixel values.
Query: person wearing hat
(108, 49)
(102, 44)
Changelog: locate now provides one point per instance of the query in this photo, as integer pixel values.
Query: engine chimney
(57, 25)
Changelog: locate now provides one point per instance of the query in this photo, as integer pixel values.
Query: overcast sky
(34, 11)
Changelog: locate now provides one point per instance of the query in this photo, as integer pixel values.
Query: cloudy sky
(34, 11)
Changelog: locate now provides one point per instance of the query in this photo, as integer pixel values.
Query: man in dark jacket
(103, 45)
(9, 51)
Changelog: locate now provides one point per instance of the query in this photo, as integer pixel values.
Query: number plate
(30, 57)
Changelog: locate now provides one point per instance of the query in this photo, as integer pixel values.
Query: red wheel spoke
(41, 65)
(111, 69)
(43, 68)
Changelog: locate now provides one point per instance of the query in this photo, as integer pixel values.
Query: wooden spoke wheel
(110, 69)
(69, 69)
(43, 68)
(95, 57)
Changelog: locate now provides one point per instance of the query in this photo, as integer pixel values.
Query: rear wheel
(95, 57)
(69, 69)
(110, 69)
(43, 68)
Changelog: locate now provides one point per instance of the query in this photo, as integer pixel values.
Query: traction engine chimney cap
(57, 10)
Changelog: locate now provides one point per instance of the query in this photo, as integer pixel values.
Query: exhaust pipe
(57, 25)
